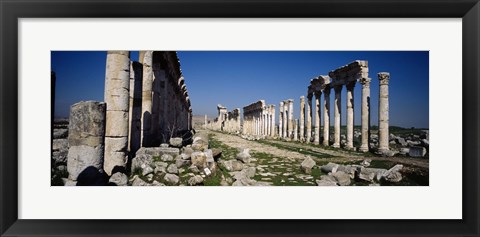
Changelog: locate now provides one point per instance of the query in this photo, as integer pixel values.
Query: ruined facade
(259, 119)
(225, 121)
(147, 103)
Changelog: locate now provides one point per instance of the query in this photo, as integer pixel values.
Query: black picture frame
(12, 10)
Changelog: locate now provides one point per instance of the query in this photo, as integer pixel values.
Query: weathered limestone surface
(290, 118)
(326, 116)
(350, 104)
(383, 120)
(117, 84)
(365, 114)
(309, 117)
(337, 113)
(146, 58)
(317, 117)
(280, 117)
(302, 118)
(135, 106)
(86, 137)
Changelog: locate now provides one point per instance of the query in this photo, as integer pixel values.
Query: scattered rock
(166, 157)
(181, 163)
(171, 179)
(307, 165)
(172, 169)
(158, 151)
(60, 133)
(60, 144)
(200, 141)
(393, 174)
(142, 164)
(199, 159)
(417, 151)
(244, 155)
(324, 182)
(330, 167)
(366, 162)
(195, 180)
(342, 178)
(194, 169)
(176, 142)
(119, 179)
(217, 153)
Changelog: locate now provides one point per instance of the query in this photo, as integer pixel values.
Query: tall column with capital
(290, 118)
(280, 120)
(326, 116)
(302, 118)
(350, 87)
(317, 117)
(309, 117)
(338, 114)
(365, 114)
(286, 122)
(383, 120)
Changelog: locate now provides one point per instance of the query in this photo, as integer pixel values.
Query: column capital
(384, 77)
(365, 81)
(302, 98)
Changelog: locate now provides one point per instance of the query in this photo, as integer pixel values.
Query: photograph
(240, 118)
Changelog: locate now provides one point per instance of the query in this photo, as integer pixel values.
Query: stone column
(135, 107)
(86, 131)
(269, 120)
(147, 86)
(383, 122)
(317, 117)
(326, 116)
(265, 123)
(286, 121)
(295, 130)
(280, 120)
(290, 117)
(273, 122)
(205, 121)
(337, 108)
(350, 87)
(117, 84)
(365, 114)
(309, 117)
(302, 118)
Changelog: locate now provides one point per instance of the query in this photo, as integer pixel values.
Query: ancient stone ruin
(225, 121)
(259, 119)
(146, 104)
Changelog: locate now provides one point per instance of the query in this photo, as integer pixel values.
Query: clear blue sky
(238, 78)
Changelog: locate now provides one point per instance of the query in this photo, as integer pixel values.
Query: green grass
(304, 151)
(228, 153)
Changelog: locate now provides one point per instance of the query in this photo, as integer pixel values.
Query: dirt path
(335, 155)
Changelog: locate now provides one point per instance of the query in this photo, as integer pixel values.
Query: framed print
(136, 118)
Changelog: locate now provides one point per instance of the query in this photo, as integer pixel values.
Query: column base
(363, 149)
(351, 148)
(335, 145)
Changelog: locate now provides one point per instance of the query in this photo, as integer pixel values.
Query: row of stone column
(346, 76)
(259, 119)
(286, 123)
